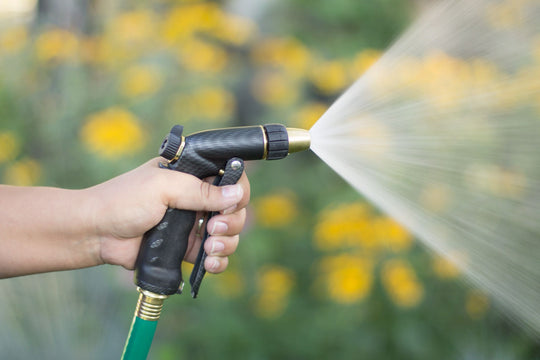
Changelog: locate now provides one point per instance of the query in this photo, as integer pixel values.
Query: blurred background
(88, 89)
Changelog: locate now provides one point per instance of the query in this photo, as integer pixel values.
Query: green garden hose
(143, 326)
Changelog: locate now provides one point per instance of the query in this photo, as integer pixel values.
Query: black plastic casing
(206, 152)
(158, 265)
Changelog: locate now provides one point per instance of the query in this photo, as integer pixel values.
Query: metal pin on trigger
(200, 223)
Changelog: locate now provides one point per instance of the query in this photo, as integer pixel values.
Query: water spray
(442, 135)
(219, 153)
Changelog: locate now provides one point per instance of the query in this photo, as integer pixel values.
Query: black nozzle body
(206, 152)
(202, 154)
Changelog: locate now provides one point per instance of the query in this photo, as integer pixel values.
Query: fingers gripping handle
(158, 265)
(231, 175)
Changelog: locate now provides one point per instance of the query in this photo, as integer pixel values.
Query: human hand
(127, 206)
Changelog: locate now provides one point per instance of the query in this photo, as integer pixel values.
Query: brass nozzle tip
(299, 140)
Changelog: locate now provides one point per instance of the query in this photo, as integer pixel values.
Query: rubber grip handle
(158, 265)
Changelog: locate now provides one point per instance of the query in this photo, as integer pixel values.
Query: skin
(46, 229)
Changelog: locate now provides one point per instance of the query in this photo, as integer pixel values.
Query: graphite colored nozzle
(203, 154)
(299, 140)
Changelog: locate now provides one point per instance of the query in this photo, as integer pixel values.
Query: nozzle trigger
(232, 173)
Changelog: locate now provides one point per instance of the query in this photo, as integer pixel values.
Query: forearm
(45, 229)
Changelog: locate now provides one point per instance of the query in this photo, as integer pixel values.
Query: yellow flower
(444, 268)
(133, 27)
(348, 225)
(484, 74)
(286, 53)
(392, 234)
(275, 284)
(92, 50)
(401, 283)
(112, 133)
(439, 78)
(308, 115)
(128, 36)
(234, 30)
(496, 180)
(275, 210)
(9, 146)
(398, 77)
(26, 172)
(200, 56)
(140, 80)
(347, 278)
(56, 44)
(13, 39)
(329, 76)
(363, 61)
(274, 88)
(476, 304)
(444, 80)
(177, 26)
(185, 20)
(209, 102)
(104, 51)
(214, 102)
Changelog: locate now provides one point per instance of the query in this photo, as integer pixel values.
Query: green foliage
(154, 67)
(354, 24)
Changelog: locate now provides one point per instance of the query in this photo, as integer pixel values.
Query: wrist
(89, 243)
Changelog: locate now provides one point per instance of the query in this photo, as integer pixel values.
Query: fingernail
(219, 228)
(214, 265)
(217, 247)
(232, 192)
(229, 210)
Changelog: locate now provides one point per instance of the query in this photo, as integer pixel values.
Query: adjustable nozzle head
(299, 140)
(204, 153)
(282, 141)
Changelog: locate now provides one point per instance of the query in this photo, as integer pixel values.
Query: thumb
(190, 193)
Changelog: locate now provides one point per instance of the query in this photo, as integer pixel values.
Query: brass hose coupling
(149, 305)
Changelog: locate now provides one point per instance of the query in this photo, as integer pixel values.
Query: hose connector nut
(149, 305)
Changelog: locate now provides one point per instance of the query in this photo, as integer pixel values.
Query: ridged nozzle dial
(282, 141)
(277, 145)
(172, 143)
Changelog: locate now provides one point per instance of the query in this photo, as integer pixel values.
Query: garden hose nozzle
(220, 153)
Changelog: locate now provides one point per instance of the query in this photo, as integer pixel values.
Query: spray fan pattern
(443, 132)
